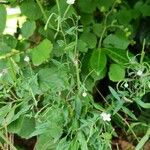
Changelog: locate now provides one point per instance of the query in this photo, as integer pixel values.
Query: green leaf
(145, 10)
(74, 145)
(53, 79)
(15, 125)
(44, 142)
(3, 15)
(87, 19)
(99, 75)
(117, 55)
(3, 112)
(97, 29)
(82, 141)
(31, 10)
(4, 48)
(114, 93)
(78, 107)
(124, 16)
(63, 144)
(143, 140)
(129, 113)
(28, 126)
(49, 128)
(89, 38)
(142, 104)
(10, 40)
(116, 41)
(105, 5)
(28, 28)
(25, 126)
(42, 52)
(87, 6)
(98, 60)
(116, 72)
(82, 46)
(117, 107)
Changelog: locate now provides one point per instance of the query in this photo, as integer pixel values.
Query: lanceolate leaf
(142, 104)
(143, 140)
(114, 93)
(98, 60)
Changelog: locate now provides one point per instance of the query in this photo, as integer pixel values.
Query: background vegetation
(74, 75)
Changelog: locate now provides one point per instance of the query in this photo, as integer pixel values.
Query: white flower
(140, 72)
(126, 85)
(76, 62)
(27, 59)
(70, 2)
(84, 94)
(105, 116)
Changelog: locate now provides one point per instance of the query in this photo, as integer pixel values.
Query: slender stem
(7, 141)
(42, 10)
(47, 22)
(142, 53)
(105, 25)
(101, 38)
(66, 11)
(58, 6)
(59, 26)
(77, 64)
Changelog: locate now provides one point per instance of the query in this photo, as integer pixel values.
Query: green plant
(49, 68)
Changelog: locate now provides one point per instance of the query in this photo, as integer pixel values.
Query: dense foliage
(75, 75)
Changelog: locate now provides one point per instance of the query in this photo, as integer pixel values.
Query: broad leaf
(90, 39)
(116, 72)
(116, 41)
(53, 79)
(42, 52)
(117, 55)
(124, 16)
(97, 29)
(10, 40)
(31, 10)
(23, 126)
(87, 6)
(145, 10)
(82, 46)
(28, 28)
(4, 48)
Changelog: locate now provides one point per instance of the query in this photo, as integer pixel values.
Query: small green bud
(103, 9)
(114, 10)
(126, 29)
(128, 34)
